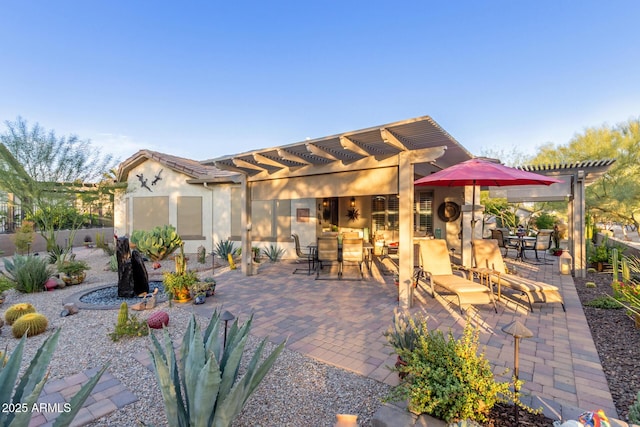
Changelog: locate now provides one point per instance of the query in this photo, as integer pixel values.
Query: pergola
(381, 159)
(576, 177)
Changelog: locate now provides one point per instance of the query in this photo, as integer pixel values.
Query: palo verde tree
(49, 173)
(616, 195)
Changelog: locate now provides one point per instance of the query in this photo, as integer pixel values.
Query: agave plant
(224, 248)
(202, 387)
(274, 253)
(28, 389)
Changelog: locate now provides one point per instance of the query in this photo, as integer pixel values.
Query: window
(424, 212)
(149, 212)
(385, 212)
(190, 217)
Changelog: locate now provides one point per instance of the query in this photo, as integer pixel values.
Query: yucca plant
(27, 272)
(274, 253)
(224, 248)
(202, 388)
(28, 388)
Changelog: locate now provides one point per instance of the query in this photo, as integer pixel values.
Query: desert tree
(49, 174)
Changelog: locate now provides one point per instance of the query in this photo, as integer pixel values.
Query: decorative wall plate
(449, 211)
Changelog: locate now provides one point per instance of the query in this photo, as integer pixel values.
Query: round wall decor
(449, 211)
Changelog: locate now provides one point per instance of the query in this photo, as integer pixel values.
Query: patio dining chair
(352, 252)
(487, 256)
(326, 253)
(438, 273)
(308, 257)
(542, 243)
(503, 241)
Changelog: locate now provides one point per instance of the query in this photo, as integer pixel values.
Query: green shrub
(605, 302)
(273, 252)
(448, 379)
(28, 272)
(224, 248)
(158, 243)
(545, 221)
(23, 238)
(58, 254)
(113, 262)
(128, 325)
(101, 243)
(73, 267)
(5, 284)
(634, 411)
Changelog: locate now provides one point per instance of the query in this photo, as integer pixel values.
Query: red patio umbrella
(483, 172)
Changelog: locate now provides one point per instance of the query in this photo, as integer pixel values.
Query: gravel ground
(617, 341)
(297, 391)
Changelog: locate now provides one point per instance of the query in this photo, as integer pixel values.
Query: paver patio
(341, 322)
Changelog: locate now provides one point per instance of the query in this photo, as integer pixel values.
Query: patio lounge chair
(437, 271)
(487, 256)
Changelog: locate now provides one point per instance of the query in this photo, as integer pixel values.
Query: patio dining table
(312, 249)
(520, 243)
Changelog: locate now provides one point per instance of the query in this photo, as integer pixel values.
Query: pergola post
(406, 176)
(245, 223)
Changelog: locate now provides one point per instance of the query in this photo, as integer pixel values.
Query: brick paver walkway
(107, 396)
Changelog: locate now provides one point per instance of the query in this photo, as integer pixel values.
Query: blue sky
(206, 79)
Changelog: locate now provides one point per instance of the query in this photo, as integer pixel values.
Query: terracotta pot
(74, 279)
(182, 296)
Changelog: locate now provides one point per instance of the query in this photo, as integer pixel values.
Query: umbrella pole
(473, 210)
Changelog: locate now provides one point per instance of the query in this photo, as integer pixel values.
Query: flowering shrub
(446, 377)
(629, 295)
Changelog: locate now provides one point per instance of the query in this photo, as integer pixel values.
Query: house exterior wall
(171, 186)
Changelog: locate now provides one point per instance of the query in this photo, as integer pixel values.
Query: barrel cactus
(30, 324)
(201, 386)
(17, 310)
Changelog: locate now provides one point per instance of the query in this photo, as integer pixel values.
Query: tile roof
(197, 171)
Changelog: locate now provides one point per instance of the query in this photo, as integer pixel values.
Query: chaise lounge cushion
(487, 255)
(436, 264)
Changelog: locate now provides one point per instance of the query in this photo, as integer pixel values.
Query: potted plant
(599, 256)
(403, 336)
(178, 285)
(202, 288)
(73, 272)
(555, 236)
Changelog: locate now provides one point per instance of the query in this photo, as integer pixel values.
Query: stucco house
(359, 181)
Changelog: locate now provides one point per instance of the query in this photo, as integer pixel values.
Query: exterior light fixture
(517, 330)
(325, 203)
(226, 316)
(353, 202)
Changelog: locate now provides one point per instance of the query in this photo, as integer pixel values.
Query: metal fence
(10, 217)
